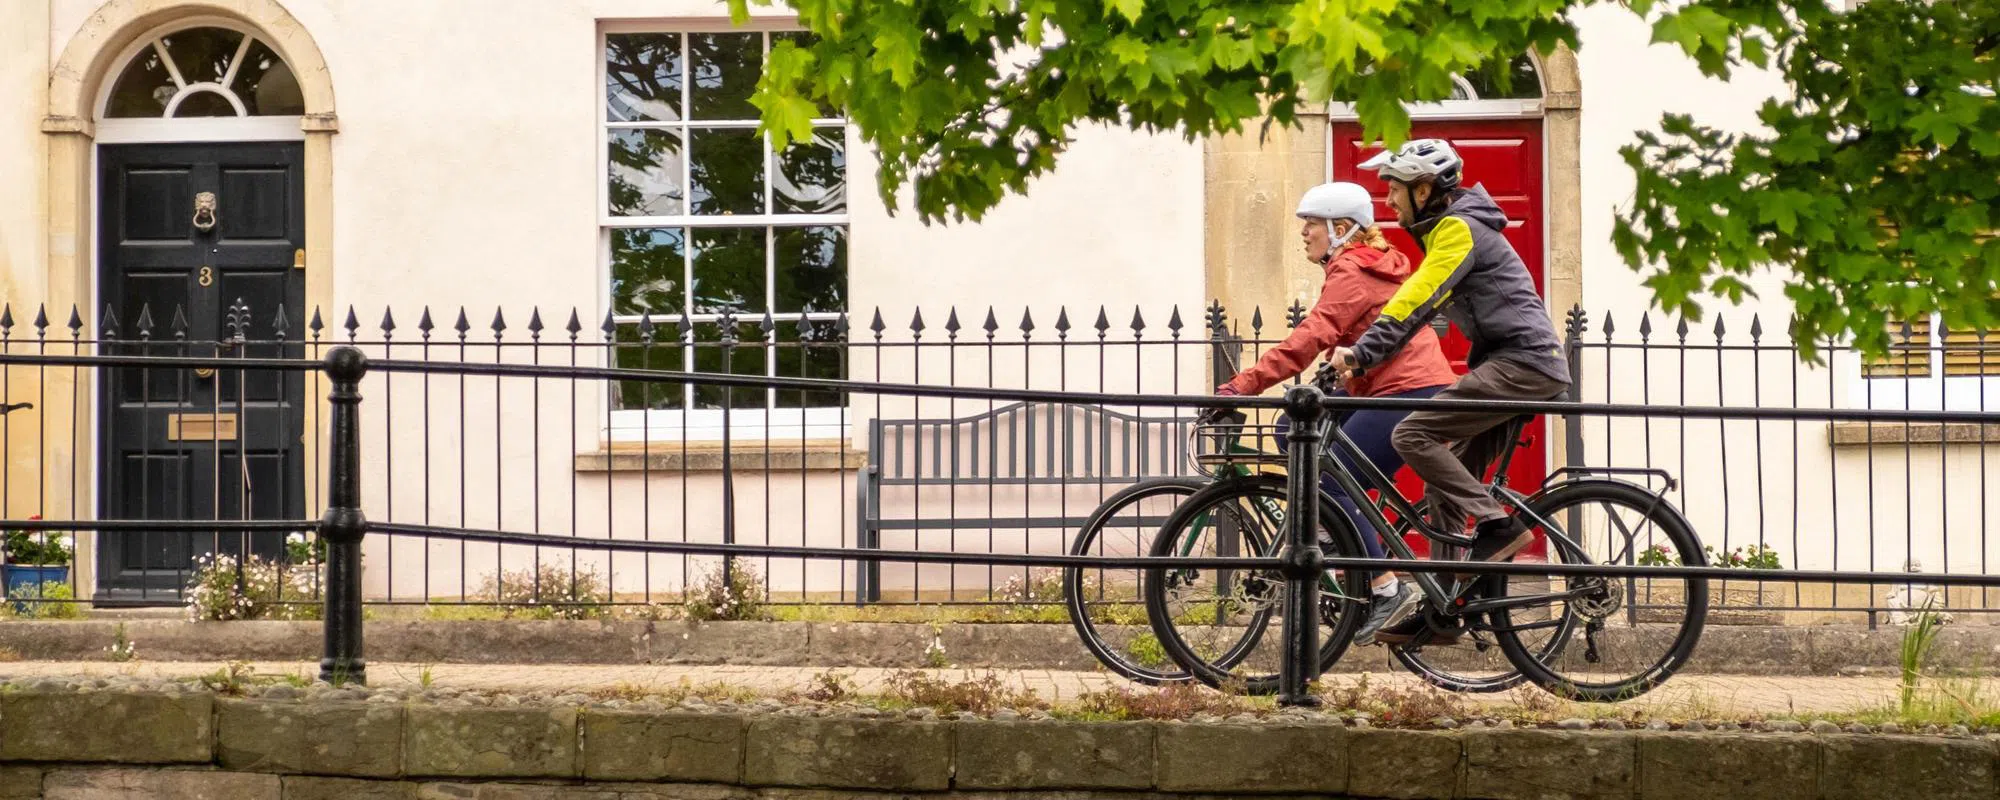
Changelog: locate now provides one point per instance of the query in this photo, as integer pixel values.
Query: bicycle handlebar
(1324, 379)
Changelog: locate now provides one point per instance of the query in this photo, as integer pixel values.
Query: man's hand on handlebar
(1341, 364)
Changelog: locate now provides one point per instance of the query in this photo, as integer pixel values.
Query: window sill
(1865, 434)
(744, 456)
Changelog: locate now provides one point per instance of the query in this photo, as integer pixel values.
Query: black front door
(199, 247)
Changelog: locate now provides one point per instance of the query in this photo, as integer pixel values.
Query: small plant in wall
(303, 550)
(934, 655)
(122, 648)
(549, 591)
(222, 587)
(730, 591)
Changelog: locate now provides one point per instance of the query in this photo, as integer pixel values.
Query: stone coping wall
(1724, 650)
(104, 739)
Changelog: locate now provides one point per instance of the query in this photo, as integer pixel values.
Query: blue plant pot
(24, 579)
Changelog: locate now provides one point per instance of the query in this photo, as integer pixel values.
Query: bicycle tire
(1076, 592)
(1669, 522)
(1345, 613)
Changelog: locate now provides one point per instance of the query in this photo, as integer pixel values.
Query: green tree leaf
(1129, 9)
(1868, 186)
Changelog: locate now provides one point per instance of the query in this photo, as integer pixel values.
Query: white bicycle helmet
(1338, 200)
(1419, 158)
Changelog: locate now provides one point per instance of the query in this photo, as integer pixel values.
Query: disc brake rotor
(1601, 598)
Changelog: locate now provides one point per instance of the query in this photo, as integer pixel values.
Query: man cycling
(1474, 276)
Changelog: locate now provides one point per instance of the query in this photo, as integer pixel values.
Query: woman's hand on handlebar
(1210, 416)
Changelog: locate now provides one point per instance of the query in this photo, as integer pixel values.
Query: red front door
(1505, 156)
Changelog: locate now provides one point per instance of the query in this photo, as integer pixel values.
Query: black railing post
(343, 525)
(1573, 331)
(1303, 562)
(728, 339)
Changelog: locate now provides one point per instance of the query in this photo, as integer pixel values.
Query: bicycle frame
(1409, 519)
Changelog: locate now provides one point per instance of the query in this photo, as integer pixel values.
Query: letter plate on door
(201, 427)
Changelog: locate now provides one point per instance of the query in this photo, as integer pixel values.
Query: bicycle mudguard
(1660, 504)
(1560, 476)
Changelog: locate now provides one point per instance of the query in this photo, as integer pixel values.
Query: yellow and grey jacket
(1474, 276)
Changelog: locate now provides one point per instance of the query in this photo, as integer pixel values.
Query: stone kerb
(113, 742)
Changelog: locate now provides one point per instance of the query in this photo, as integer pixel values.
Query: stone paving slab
(1725, 649)
(1693, 695)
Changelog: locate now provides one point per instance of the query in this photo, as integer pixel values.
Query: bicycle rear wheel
(1625, 636)
(1223, 625)
(1105, 605)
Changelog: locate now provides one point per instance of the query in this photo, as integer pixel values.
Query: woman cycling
(1362, 272)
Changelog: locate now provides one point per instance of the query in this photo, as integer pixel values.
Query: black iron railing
(345, 518)
(506, 428)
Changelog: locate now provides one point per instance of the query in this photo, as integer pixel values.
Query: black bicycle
(1635, 633)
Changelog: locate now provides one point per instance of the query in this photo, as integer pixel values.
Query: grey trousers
(1451, 450)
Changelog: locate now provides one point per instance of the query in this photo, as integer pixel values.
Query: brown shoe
(1409, 630)
(1498, 540)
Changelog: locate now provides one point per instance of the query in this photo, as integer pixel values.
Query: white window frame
(1934, 392)
(692, 424)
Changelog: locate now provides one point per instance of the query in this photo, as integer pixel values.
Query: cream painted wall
(24, 77)
(465, 173)
(24, 80)
(1627, 85)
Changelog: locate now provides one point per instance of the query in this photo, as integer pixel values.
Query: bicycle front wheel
(1104, 604)
(1223, 625)
(1624, 636)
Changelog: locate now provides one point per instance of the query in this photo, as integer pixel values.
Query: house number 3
(207, 277)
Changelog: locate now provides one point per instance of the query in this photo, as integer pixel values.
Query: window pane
(144, 89)
(726, 167)
(810, 269)
(805, 39)
(728, 270)
(745, 357)
(809, 350)
(645, 173)
(203, 54)
(642, 77)
(664, 353)
(812, 176)
(647, 267)
(266, 85)
(726, 68)
(204, 104)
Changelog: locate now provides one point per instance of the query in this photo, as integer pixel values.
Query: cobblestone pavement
(1685, 695)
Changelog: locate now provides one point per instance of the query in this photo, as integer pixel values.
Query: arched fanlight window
(205, 72)
(1500, 80)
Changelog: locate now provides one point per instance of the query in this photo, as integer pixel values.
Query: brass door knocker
(204, 212)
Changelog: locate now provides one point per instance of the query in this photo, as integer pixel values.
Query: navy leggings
(1370, 429)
